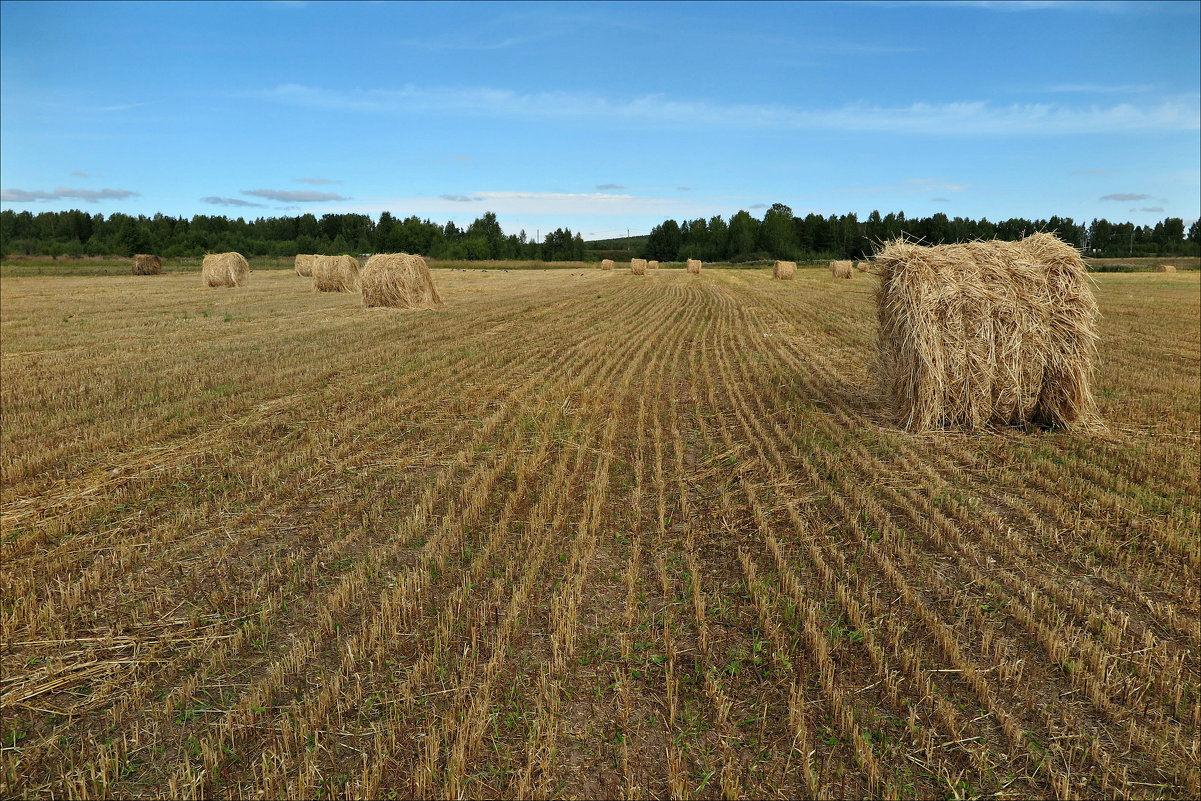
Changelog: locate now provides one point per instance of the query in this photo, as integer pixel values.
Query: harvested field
(576, 535)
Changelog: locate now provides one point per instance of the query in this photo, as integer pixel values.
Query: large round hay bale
(144, 264)
(694, 266)
(1166, 268)
(606, 264)
(784, 270)
(842, 269)
(638, 266)
(304, 264)
(861, 266)
(986, 333)
(335, 274)
(399, 280)
(652, 265)
(225, 269)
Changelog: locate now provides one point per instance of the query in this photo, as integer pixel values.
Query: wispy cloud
(293, 196)
(89, 195)
(1125, 197)
(230, 201)
(1102, 89)
(466, 43)
(912, 186)
(1152, 208)
(315, 181)
(79, 174)
(1027, 5)
(940, 199)
(608, 187)
(554, 205)
(965, 118)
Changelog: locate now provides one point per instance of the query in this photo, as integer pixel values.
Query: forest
(740, 238)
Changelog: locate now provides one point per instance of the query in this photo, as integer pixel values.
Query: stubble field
(579, 534)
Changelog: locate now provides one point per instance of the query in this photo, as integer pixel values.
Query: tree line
(741, 238)
(780, 235)
(75, 233)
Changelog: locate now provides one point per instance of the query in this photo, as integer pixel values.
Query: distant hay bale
(784, 270)
(652, 265)
(861, 266)
(399, 280)
(225, 269)
(842, 269)
(1166, 268)
(335, 274)
(986, 332)
(144, 264)
(694, 266)
(304, 264)
(606, 264)
(638, 266)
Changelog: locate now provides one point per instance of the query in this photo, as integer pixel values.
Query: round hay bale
(986, 333)
(784, 270)
(606, 264)
(842, 269)
(1166, 268)
(144, 264)
(398, 280)
(861, 266)
(335, 274)
(304, 264)
(652, 265)
(694, 266)
(225, 269)
(638, 266)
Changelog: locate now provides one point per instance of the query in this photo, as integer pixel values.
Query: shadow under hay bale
(398, 280)
(694, 266)
(144, 264)
(335, 274)
(304, 264)
(225, 269)
(784, 270)
(842, 269)
(606, 264)
(986, 333)
(638, 266)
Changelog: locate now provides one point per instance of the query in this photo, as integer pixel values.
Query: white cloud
(62, 193)
(964, 118)
(912, 186)
(1101, 89)
(230, 201)
(552, 204)
(294, 196)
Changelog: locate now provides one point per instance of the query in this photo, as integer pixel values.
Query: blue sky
(602, 117)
